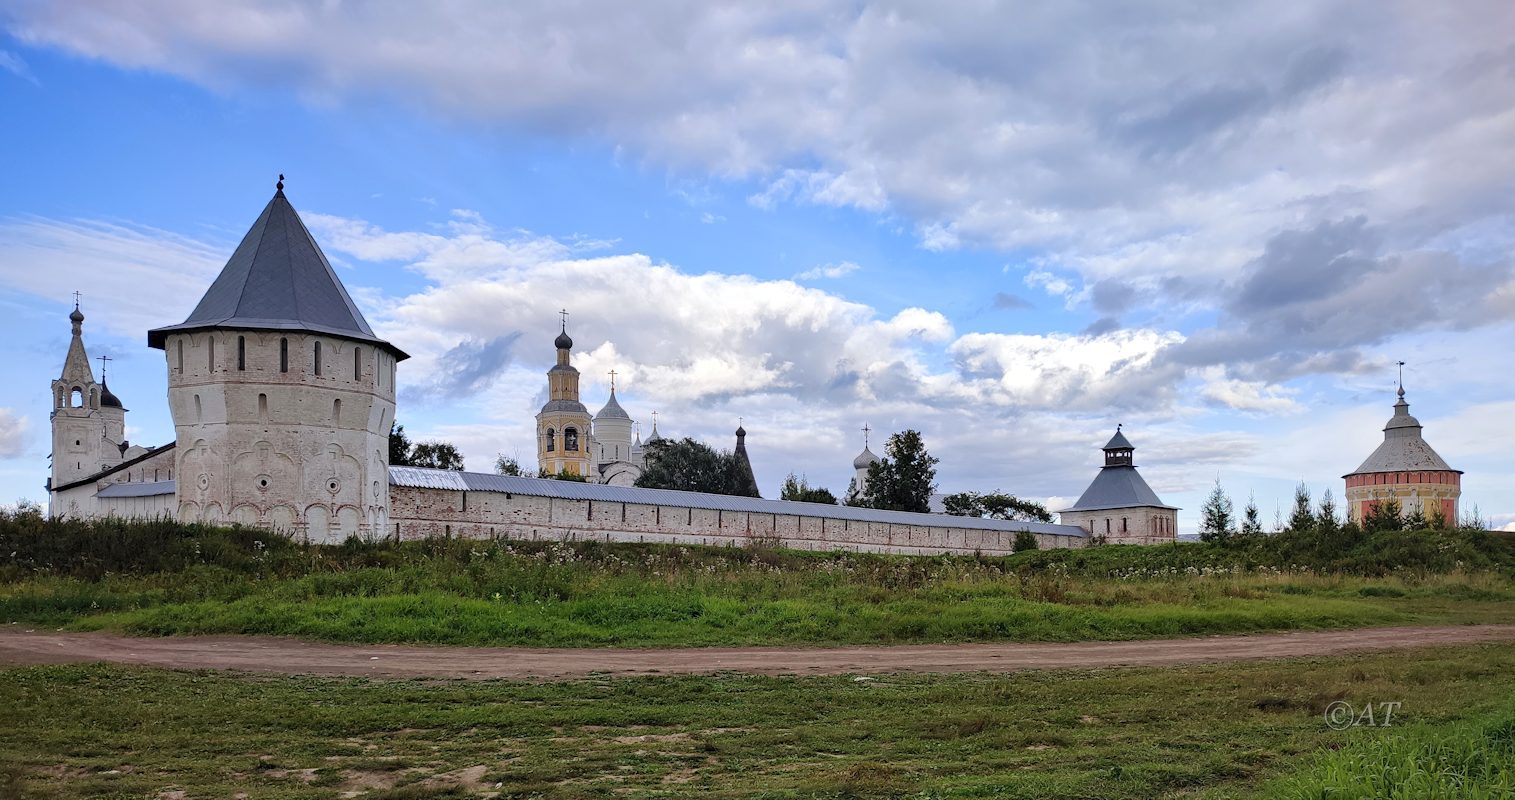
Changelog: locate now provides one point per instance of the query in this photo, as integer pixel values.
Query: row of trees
(904, 479)
(1219, 523)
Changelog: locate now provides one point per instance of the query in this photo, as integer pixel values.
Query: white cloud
(1253, 396)
(132, 277)
(13, 433)
(1116, 369)
(12, 63)
(839, 270)
(1049, 283)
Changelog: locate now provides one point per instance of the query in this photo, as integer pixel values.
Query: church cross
(76, 299)
(564, 315)
(654, 419)
(103, 361)
(866, 429)
(612, 380)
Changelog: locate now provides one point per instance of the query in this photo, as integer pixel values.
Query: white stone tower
(612, 430)
(89, 424)
(1119, 506)
(282, 397)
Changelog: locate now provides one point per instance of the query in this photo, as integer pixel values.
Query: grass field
(1244, 730)
(171, 579)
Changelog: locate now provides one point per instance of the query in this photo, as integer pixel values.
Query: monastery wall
(417, 513)
(83, 501)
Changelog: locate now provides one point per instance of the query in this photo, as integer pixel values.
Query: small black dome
(740, 431)
(76, 315)
(563, 342)
(108, 400)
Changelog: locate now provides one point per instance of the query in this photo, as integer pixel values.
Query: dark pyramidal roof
(277, 279)
(1118, 484)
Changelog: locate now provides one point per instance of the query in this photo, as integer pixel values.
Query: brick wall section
(419, 513)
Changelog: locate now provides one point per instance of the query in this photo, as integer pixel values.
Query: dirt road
(295, 657)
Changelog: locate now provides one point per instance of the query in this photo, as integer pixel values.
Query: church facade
(282, 400)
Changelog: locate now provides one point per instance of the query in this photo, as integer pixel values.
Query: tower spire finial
(280, 185)
(1401, 379)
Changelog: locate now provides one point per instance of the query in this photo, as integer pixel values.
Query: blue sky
(1010, 227)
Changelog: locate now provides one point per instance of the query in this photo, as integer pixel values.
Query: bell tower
(565, 443)
(82, 445)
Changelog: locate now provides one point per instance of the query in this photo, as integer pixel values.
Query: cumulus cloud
(13, 433)
(1004, 301)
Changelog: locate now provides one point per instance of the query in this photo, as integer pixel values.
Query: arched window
(571, 439)
(181, 355)
(283, 355)
(1122, 524)
(357, 363)
(552, 443)
(199, 410)
(318, 358)
(210, 353)
(241, 353)
(262, 407)
(76, 398)
(336, 411)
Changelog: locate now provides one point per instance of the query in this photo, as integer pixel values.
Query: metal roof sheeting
(424, 478)
(139, 489)
(277, 279)
(1117, 487)
(1403, 448)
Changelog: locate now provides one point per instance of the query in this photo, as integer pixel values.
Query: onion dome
(76, 316)
(612, 409)
(563, 342)
(864, 459)
(107, 398)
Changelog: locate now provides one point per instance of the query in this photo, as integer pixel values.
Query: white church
(282, 400)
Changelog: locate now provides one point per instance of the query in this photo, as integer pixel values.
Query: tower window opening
(263, 407)
(336, 411)
(1123, 525)
(199, 412)
(210, 353)
(283, 355)
(241, 353)
(76, 398)
(318, 358)
(357, 363)
(552, 443)
(571, 439)
(181, 355)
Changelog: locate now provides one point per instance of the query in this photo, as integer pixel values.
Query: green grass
(163, 578)
(1216, 731)
(1472, 760)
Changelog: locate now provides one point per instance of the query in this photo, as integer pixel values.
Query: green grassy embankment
(164, 578)
(1211, 731)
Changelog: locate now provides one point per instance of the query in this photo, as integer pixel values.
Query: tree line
(904, 479)
(1219, 522)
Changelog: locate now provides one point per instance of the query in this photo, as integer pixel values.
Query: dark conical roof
(1119, 442)
(1403, 449)
(277, 279)
(612, 410)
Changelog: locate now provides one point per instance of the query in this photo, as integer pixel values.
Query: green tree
(562, 475)
(995, 505)
(904, 479)
(1251, 523)
(693, 466)
(1026, 540)
(1383, 516)
(1326, 519)
(1215, 516)
(505, 465)
(1416, 520)
(798, 490)
(399, 446)
(1301, 518)
(436, 455)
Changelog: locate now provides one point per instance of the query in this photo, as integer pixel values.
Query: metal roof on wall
(138, 489)
(424, 478)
